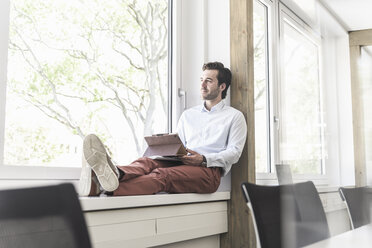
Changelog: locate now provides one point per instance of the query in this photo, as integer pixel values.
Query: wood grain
(241, 232)
(358, 119)
(357, 39)
(360, 38)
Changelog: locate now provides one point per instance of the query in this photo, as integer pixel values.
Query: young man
(213, 134)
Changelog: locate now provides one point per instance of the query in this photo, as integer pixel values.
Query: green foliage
(77, 62)
(36, 147)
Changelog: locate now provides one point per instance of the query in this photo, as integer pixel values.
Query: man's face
(209, 88)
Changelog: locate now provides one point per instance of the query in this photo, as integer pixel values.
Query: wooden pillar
(356, 40)
(357, 109)
(241, 232)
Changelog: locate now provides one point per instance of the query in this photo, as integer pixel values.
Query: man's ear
(222, 86)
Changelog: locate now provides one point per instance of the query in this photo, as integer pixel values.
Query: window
(80, 67)
(288, 97)
(301, 128)
(261, 13)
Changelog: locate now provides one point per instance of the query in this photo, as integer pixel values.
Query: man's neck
(210, 103)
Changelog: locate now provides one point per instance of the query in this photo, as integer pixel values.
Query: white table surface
(360, 237)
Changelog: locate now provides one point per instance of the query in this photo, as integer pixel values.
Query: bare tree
(136, 102)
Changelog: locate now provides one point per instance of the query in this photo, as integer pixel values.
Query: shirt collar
(216, 107)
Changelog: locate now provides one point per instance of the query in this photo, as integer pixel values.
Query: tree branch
(128, 58)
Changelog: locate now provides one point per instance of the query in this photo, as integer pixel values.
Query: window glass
(301, 142)
(80, 67)
(260, 34)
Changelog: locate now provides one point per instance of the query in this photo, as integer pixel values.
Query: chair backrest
(264, 203)
(284, 174)
(41, 217)
(358, 202)
(311, 222)
(289, 215)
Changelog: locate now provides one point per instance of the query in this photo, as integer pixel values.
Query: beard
(211, 95)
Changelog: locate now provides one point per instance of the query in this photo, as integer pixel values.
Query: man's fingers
(188, 159)
(191, 151)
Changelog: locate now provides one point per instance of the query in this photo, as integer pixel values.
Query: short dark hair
(224, 74)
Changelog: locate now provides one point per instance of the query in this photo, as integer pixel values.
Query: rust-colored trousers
(147, 176)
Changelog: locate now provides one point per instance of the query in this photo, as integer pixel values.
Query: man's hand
(193, 158)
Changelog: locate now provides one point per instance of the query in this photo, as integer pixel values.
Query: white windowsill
(120, 202)
(17, 172)
(271, 179)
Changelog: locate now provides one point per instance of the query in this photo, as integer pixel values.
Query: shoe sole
(87, 177)
(85, 181)
(96, 157)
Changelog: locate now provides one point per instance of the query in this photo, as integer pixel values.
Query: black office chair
(358, 203)
(287, 216)
(42, 217)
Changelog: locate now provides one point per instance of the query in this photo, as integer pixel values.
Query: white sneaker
(88, 184)
(100, 164)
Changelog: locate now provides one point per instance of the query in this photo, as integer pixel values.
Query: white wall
(345, 117)
(338, 112)
(337, 101)
(205, 37)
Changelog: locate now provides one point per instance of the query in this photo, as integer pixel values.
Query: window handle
(182, 93)
(277, 122)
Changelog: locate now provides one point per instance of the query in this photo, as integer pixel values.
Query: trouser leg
(140, 167)
(177, 179)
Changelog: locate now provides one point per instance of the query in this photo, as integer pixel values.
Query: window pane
(301, 130)
(80, 67)
(260, 86)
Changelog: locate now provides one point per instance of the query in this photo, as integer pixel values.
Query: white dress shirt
(218, 134)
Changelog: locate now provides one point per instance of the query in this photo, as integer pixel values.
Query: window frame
(273, 38)
(19, 172)
(286, 15)
(4, 29)
(279, 13)
(269, 82)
